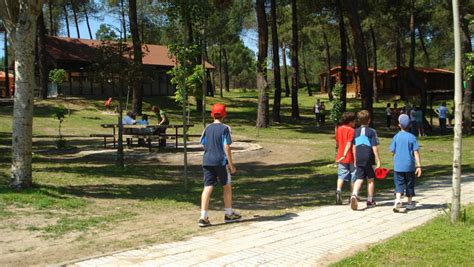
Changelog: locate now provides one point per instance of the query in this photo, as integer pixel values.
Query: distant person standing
(413, 129)
(442, 112)
(317, 112)
(388, 116)
(323, 113)
(395, 114)
(419, 121)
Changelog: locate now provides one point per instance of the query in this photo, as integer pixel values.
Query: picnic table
(138, 131)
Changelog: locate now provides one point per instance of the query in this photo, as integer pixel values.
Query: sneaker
(338, 198)
(204, 222)
(410, 206)
(397, 206)
(354, 202)
(234, 217)
(371, 204)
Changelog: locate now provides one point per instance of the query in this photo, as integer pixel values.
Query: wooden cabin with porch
(353, 81)
(77, 55)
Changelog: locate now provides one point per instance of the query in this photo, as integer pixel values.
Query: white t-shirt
(388, 112)
(317, 108)
(412, 115)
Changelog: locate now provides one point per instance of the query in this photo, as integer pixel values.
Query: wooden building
(436, 81)
(77, 55)
(353, 81)
(11, 81)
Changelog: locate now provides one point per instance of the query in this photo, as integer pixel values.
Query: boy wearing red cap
(217, 165)
(406, 163)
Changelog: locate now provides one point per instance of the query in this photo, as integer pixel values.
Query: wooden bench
(105, 136)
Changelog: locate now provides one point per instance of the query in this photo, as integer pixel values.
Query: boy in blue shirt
(365, 156)
(406, 164)
(217, 165)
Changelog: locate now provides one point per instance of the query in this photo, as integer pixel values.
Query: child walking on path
(365, 155)
(344, 157)
(406, 164)
(217, 165)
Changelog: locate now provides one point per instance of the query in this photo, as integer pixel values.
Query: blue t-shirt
(442, 112)
(214, 137)
(364, 139)
(403, 145)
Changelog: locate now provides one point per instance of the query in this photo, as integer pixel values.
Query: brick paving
(310, 238)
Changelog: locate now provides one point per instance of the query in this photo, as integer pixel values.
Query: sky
(249, 37)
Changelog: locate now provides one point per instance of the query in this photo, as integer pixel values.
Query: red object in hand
(381, 173)
(107, 102)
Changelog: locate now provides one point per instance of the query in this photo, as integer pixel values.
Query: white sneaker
(410, 206)
(397, 206)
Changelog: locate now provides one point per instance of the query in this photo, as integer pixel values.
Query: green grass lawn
(437, 243)
(80, 195)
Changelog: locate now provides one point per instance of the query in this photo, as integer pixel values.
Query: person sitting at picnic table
(144, 120)
(129, 119)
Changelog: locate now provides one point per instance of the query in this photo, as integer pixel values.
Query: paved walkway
(310, 238)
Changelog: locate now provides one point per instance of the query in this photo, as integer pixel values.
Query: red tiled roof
(351, 69)
(73, 49)
(424, 69)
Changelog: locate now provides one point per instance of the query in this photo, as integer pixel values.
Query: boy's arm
(418, 163)
(377, 157)
(354, 153)
(228, 154)
(346, 150)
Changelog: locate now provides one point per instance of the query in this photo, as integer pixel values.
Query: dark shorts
(365, 172)
(214, 175)
(404, 181)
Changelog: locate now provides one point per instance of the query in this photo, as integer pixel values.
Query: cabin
(437, 81)
(76, 56)
(11, 85)
(353, 81)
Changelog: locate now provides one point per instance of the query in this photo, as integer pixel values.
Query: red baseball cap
(381, 173)
(218, 109)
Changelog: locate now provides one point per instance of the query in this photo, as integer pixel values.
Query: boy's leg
(399, 182)
(205, 197)
(360, 175)
(410, 178)
(227, 196)
(225, 181)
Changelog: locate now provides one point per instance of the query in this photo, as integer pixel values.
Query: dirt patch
(23, 244)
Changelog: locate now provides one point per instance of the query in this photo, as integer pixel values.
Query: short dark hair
(348, 117)
(144, 117)
(388, 105)
(364, 117)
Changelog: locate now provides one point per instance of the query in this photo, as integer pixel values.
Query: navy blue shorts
(404, 181)
(216, 174)
(364, 172)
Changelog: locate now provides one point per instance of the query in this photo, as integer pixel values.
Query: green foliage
(59, 114)
(106, 33)
(336, 110)
(57, 76)
(469, 70)
(183, 75)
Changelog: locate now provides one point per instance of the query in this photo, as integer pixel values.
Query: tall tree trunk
(400, 83)
(87, 22)
(374, 75)
(276, 65)
(342, 37)
(467, 112)
(305, 71)
(354, 64)
(43, 70)
(414, 80)
(423, 46)
(295, 83)
(226, 70)
(285, 71)
(137, 57)
(75, 20)
(124, 24)
(220, 72)
(67, 21)
(262, 83)
(366, 87)
(457, 142)
(51, 24)
(5, 64)
(328, 67)
(19, 18)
